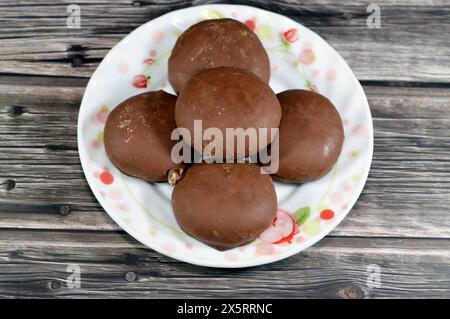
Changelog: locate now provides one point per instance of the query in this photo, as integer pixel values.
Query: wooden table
(50, 219)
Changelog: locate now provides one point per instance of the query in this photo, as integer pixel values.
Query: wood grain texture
(35, 39)
(49, 217)
(336, 267)
(409, 173)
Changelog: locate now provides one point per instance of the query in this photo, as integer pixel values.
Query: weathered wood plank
(49, 218)
(407, 193)
(411, 31)
(33, 264)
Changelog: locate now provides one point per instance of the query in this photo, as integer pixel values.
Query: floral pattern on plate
(299, 59)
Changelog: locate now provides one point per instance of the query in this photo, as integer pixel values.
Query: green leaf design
(321, 206)
(215, 14)
(264, 32)
(302, 214)
(284, 45)
(177, 33)
(100, 137)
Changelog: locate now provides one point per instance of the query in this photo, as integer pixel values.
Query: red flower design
(140, 81)
(290, 35)
(251, 24)
(284, 227)
(149, 61)
(314, 88)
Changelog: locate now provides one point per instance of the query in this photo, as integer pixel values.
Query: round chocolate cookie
(230, 98)
(311, 136)
(137, 136)
(219, 205)
(213, 43)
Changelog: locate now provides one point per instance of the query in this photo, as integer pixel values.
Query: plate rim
(222, 263)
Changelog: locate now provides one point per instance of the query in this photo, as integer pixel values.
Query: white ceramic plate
(299, 59)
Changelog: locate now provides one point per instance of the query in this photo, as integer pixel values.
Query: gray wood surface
(50, 219)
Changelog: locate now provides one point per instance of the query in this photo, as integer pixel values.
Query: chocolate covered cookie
(311, 136)
(214, 43)
(219, 205)
(137, 136)
(229, 98)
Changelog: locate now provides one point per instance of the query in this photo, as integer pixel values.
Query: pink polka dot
(102, 194)
(157, 36)
(265, 249)
(96, 174)
(336, 198)
(171, 248)
(359, 130)
(122, 207)
(346, 186)
(316, 73)
(345, 122)
(94, 119)
(231, 256)
(299, 240)
(307, 45)
(242, 249)
(153, 53)
(188, 246)
(115, 193)
(95, 144)
(344, 207)
(102, 115)
(331, 75)
(307, 56)
(234, 14)
(274, 67)
(123, 68)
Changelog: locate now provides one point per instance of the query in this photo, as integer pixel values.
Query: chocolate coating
(213, 43)
(219, 205)
(311, 136)
(224, 98)
(137, 136)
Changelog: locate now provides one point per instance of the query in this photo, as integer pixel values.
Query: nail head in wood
(64, 210)
(130, 276)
